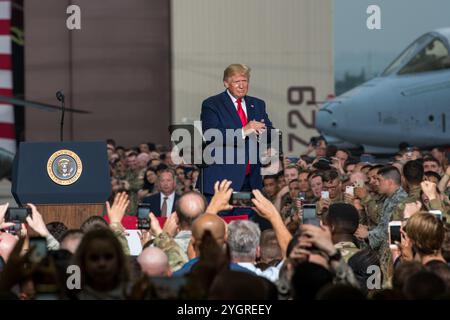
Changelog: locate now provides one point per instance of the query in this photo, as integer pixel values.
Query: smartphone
(394, 232)
(39, 244)
(325, 195)
(350, 190)
(242, 199)
(17, 215)
(437, 213)
(309, 215)
(142, 216)
(301, 197)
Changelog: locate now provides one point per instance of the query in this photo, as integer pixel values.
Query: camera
(17, 215)
(242, 199)
(142, 216)
(293, 160)
(314, 141)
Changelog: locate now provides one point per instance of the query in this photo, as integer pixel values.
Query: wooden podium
(67, 181)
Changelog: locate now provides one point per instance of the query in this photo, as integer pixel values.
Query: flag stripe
(7, 131)
(6, 79)
(5, 27)
(7, 127)
(5, 10)
(8, 144)
(5, 61)
(6, 92)
(6, 113)
(5, 44)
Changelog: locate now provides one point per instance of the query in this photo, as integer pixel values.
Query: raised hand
(36, 222)
(117, 211)
(3, 224)
(221, 198)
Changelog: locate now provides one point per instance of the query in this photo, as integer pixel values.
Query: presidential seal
(64, 167)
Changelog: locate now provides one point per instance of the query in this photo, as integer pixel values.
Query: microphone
(60, 96)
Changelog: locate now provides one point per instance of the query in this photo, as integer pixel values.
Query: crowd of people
(348, 250)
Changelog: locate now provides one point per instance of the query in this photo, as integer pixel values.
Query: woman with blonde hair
(426, 233)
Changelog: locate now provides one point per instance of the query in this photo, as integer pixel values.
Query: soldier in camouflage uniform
(413, 176)
(370, 199)
(432, 199)
(372, 205)
(289, 202)
(347, 249)
(177, 257)
(413, 173)
(130, 181)
(333, 185)
(343, 219)
(389, 185)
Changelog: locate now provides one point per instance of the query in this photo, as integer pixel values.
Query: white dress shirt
(170, 200)
(244, 107)
(271, 273)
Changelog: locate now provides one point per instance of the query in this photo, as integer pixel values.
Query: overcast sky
(402, 21)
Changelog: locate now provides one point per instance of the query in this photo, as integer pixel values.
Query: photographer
(333, 185)
(34, 221)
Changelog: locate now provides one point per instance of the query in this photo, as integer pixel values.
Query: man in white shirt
(243, 241)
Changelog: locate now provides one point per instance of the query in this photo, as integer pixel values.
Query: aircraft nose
(325, 122)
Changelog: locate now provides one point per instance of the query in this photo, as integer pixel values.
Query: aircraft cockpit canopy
(428, 53)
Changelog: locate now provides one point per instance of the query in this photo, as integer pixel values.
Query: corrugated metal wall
(288, 44)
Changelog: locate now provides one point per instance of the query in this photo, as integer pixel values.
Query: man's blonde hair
(236, 68)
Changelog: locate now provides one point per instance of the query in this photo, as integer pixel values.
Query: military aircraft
(408, 102)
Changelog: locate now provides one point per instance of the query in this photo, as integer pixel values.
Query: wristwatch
(335, 257)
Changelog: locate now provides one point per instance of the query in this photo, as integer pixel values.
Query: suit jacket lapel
(250, 110)
(231, 109)
(159, 203)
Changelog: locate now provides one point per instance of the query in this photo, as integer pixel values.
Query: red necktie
(244, 121)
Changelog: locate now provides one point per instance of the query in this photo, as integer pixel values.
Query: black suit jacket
(155, 203)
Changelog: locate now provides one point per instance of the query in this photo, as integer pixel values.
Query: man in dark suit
(162, 204)
(246, 116)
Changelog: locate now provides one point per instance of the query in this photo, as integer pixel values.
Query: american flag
(7, 131)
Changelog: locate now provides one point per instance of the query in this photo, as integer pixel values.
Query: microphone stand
(60, 96)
